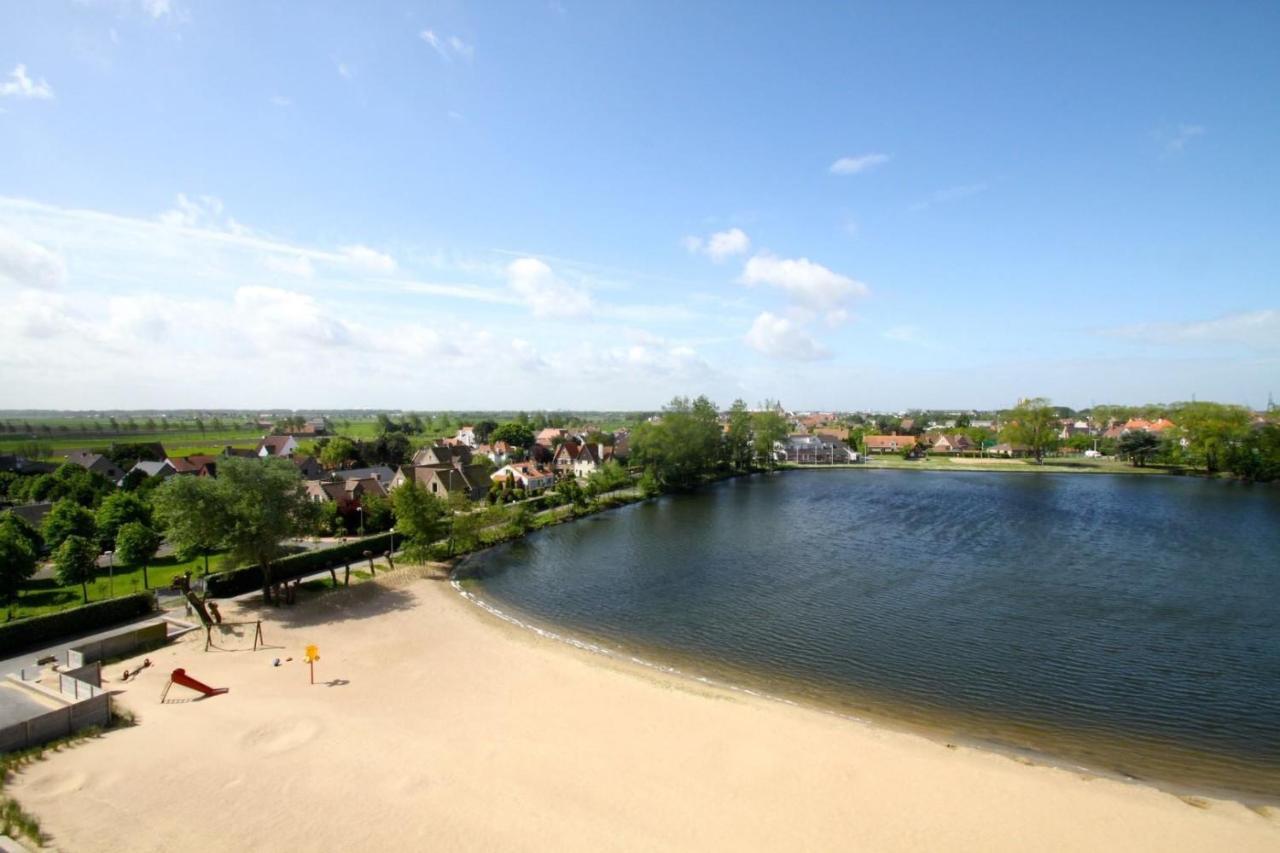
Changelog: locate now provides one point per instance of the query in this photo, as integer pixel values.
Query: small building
(453, 455)
(161, 469)
(277, 446)
(467, 435)
(308, 467)
(529, 476)
(579, 460)
(819, 449)
(445, 480)
(97, 464)
(382, 473)
(200, 466)
(888, 443)
(952, 444)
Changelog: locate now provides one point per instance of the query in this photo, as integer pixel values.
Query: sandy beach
(436, 725)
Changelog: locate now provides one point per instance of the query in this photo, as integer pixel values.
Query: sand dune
(438, 726)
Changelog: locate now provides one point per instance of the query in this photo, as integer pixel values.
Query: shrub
(37, 631)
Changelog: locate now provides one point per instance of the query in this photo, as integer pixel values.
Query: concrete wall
(117, 645)
(57, 723)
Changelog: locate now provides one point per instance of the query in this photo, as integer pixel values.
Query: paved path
(17, 662)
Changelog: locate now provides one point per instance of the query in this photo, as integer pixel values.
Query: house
(321, 491)
(347, 494)
(550, 436)
(816, 450)
(96, 463)
(160, 469)
(361, 487)
(467, 435)
(452, 455)
(444, 481)
(200, 466)
(579, 460)
(1010, 450)
(308, 467)
(33, 514)
(888, 443)
(529, 476)
(316, 426)
(499, 452)
(952, 444)
(277, 446)
(241, 452)
(1157, 426)
(382, 473)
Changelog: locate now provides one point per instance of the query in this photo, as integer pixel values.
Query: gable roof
(276, 444)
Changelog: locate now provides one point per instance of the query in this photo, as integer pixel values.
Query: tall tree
(266, 504)
(1211, 430)
(136, 545)
(767, 427)
(1137, 446)
(737, 438)
(515, 433)
(68, 518)
(420, 519)
(1034, 424)
(117, 510)
(193, 515)
(17, 561)
(338, 452)
(76, 561)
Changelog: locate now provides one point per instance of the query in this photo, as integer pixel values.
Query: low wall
(57, 723)
(117, 645)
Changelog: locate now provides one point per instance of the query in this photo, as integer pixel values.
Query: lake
(1125, 624)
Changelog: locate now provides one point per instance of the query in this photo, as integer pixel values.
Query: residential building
(453, 455)
(444, 481)
(579, 460)
(957, 443)
(278, 446)
(467, 435)
(382, 473)
(530, 476)
(892, 443)
(97, 463)
(309, 467)
(816, 450)
(161, 469)
(200, 466)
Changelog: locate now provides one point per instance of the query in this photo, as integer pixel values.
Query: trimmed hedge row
(46, 630)
(249, 578)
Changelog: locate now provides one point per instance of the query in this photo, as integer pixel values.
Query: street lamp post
(360, 510)
(111, 573)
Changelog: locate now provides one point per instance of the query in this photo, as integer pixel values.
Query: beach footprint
(51, 786)
(282, 735)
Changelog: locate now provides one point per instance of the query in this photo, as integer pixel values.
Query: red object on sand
(180, 676)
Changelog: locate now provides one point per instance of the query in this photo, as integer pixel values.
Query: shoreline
(882, 719)
(434, 725)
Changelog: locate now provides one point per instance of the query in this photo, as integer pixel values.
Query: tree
(68, 518)
(117, 510)
(464, 524)
(767, 427)
(515, 433)
(1212, 430)
(13, 524)
(17, 561)
(572, 493)
(1033, 423)
(483, 429)
(1137, 446)
(265, 504)
(379, 513)
(192, 513)
(76, 561)
(683, 446)
(609, 477)
(737, 439)
(338, 452)
(136, 544)
(420, 518)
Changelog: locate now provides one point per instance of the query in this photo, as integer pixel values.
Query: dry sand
(448, 729)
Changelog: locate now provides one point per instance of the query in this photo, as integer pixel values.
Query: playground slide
(180, 676)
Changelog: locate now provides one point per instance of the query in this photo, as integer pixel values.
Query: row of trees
(687, 443)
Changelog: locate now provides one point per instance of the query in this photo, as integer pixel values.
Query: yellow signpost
(312, 655)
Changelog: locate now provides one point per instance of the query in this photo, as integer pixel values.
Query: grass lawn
(46, 595)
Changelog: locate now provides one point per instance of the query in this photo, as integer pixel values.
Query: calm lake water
(1129, 624)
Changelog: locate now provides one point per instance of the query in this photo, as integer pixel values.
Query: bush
(249, 578)
(36, 631)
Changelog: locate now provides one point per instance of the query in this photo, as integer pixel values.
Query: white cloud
(948, 195)
(779, 337)
(19, 85)
(299, 265)
(1254, 329)
(157, 8)
(28, 264)
(857, 165)
(204, 211)
(449, 47)
(719, 246)
(1177, 139)
(275, 319)
(810, 284)
(369, 259)
(281, 101)
(344, 70)
(906, 334)
(543, 292)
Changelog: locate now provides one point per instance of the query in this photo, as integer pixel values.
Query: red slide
(180, 676)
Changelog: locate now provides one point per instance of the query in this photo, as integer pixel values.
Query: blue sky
(551, 205)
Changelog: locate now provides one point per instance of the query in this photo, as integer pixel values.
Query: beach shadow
(345, 604)
(336, 682)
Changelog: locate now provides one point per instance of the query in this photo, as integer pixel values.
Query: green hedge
(240, 581)
(38, 631)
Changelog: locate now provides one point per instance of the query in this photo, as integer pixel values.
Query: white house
(282, 446)
(528, 475)
(467, 435)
